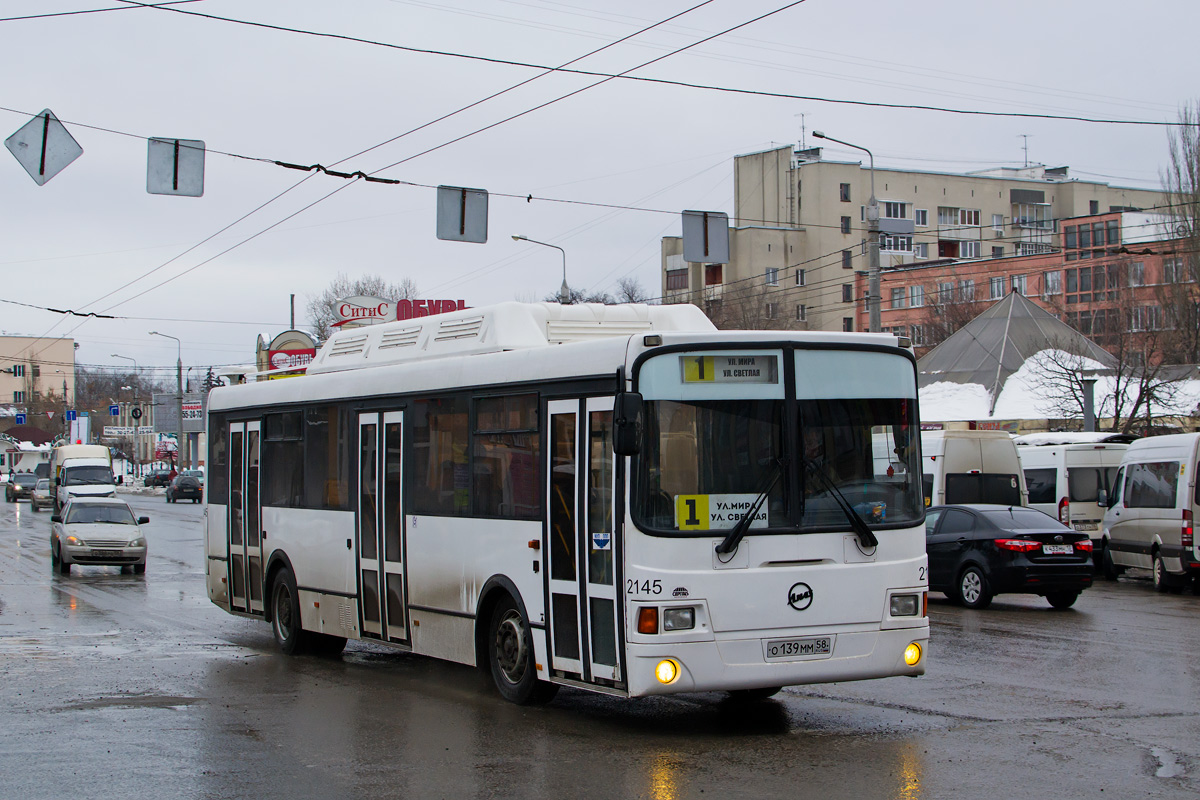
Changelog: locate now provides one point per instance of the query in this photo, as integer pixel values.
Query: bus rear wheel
(510, 657)
(285, 614)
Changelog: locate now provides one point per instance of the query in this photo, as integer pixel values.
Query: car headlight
(138, 542)
(75, 541)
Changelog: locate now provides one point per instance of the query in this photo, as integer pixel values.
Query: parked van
(1070, 476)
(81, 470)
(1156, 497)
(961, 467)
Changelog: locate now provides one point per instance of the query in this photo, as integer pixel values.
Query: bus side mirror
(627, 424)
(1102, 498)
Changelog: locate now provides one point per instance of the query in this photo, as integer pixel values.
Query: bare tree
(630, 290)
(948, 310)
(744, 307)
(582, 296)
(322, 309)
(1179, 294)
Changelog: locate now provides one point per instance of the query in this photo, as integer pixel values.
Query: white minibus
(971, 467)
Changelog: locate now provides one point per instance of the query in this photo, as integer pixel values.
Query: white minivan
(1070, 475)
(1155, 497)
(971, 467)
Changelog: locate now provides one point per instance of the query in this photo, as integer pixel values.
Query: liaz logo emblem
(800, 596)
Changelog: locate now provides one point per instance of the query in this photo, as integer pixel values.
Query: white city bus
(553, 493)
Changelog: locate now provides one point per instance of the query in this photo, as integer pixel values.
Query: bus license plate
(794, 649)
(1058, 549)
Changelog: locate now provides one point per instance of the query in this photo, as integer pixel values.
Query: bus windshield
(705, 462)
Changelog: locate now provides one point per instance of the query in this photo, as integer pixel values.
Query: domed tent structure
(994, 345)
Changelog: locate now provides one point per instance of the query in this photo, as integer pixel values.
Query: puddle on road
(1168, 763)
(132, 701)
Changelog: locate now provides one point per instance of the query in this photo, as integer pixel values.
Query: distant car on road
(198, 474)
(158, 477)
(97, 530)
(41, 497)
(185, 487)
(979, 551)
(20, 486)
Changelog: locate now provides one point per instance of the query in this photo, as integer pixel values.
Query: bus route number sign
(709, 512)
(730, 369)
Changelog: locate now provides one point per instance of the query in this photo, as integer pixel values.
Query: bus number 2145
(634, 586)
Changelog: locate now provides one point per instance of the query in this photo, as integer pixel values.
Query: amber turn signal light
(648, 619)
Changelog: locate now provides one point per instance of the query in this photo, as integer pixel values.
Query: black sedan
(20, 486)
(979, 551)
(184, 487)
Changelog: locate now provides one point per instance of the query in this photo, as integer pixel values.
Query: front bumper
(112, 556)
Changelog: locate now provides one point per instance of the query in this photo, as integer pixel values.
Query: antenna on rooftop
(803, 143)
(1025, 136)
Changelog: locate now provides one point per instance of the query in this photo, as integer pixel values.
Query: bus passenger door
(582, 551)
(245, 518)
(381, 527)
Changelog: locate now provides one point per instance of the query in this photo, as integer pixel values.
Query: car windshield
(25, 479)
(43, 485)
(83, 476)
(1022, 519)
(192, 473)
(113, 513)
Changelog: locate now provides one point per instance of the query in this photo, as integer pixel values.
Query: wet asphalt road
(127, 686)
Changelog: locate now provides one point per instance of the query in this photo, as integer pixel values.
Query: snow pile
(1024, 397)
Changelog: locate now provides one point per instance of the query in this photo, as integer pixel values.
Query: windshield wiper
(738, 532)
(865, 537)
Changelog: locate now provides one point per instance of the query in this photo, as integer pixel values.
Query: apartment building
(795, 203)
(1103, 272)
(34, 370)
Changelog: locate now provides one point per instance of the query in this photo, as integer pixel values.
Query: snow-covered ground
(1023, 398)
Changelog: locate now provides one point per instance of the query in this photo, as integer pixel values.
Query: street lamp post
(178, 396)
(137, 439)
(564, 293)
(873, 289)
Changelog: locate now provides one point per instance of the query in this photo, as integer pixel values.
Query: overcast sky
(278, 95)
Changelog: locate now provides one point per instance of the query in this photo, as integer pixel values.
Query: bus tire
(285, 614)
(326, 644)
(510, 657)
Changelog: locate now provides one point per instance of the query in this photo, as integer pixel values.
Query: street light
(873, 290)
(564, 294)
(179, 395)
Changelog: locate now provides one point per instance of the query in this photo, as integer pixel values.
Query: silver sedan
(98, 530)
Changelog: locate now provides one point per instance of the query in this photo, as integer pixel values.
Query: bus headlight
(666, 671)
(912, 654)
(905, 605)
(678, 619)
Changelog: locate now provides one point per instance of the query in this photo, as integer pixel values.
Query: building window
(921, 250)
(799, 277)
(801, 313)
(945, 293)
(1018, 283)
(1173, 271)
(844, 192)
(895, 210)
(772, 276)
(917, 334)
(966, 291)
(848, 324)
(1032, 215)
(769, 310)
(995, 287)
(1114, 231)
(1034, 248)
(968, 249)
(847, 257)
(894, 243)
(1145, 318)
(968, 216)
(712, 275)
(845, 224)
(18, 397)
(998, 222)
(1051, 283)
(947, 216)
(916, 296)
(847, 293)
(921, 217)
(677, 279)
(899, 297)
(998, 251)
(18, 370)
(1137, 274)
(1093, 206)
(1070, 239)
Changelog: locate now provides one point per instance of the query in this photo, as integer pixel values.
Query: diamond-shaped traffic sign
(43, 147)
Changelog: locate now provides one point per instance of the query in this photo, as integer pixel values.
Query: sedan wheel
(973, 590)
(1062, 599)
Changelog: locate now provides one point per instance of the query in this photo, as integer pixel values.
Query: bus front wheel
(510, 656)
(285, 614)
